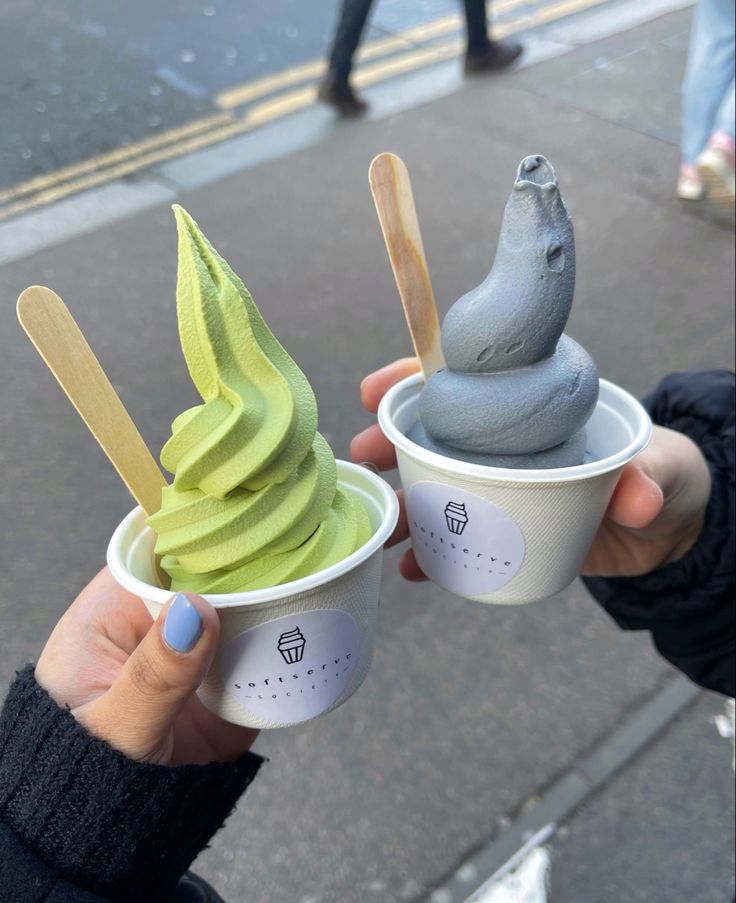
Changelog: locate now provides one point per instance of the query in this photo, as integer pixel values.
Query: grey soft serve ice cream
(516, 391)
(510, 467)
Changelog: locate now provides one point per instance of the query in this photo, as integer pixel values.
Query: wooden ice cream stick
(59, 341)
(394, 202)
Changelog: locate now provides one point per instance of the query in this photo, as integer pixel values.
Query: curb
(536, 824)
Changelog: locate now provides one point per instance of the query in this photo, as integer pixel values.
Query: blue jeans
(708, 88)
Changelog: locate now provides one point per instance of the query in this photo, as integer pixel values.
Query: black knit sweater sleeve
(689, 605)
(80, 821)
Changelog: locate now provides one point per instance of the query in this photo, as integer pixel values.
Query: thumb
(638, 498)
(137, 713)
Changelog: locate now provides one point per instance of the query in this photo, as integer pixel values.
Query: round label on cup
(293, 668)
(462, 542)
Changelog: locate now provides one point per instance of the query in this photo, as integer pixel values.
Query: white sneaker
(689, 187)
(717, 172)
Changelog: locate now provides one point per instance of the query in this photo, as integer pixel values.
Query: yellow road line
(304, 97)
(241, 94)
(203, 132)
(565, 8)
(315, 69)
(281, 106)
(235, 97)
(59, 192)
(415, 60)
(121, 153)
(292, 101)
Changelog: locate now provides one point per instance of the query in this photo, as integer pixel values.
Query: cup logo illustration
(291, 646)
(456, 517)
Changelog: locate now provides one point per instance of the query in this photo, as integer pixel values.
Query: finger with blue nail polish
(183, 625)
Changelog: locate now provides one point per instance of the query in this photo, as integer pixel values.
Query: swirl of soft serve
(516, 391)
(254, 502)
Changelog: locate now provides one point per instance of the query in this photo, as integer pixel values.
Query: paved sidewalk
(469, 712)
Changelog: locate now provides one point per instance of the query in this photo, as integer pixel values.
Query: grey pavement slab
(468, 711)
(632, 78)
(673, 803)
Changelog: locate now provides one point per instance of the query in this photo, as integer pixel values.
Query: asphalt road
(81, 77)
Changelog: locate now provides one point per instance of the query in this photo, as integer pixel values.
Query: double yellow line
(287, 92)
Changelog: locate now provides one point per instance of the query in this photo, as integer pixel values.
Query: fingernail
(369, 465)
(183, 625)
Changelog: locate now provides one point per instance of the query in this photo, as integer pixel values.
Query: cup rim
(347, 473)
(485, 472)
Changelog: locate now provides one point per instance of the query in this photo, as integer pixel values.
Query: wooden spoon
(60, 343)
(392, 195)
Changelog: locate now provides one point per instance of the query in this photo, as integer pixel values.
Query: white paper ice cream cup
(510, 536)
(291, 652)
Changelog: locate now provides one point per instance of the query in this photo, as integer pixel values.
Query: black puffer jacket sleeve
(689, 605)
(80, 822)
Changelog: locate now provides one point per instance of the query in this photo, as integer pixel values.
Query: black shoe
(193, 889)
(498, 55)
(342, 97)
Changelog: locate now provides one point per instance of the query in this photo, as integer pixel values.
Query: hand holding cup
(131, 680)
(653, 518)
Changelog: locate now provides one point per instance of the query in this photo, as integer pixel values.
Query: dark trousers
(354, 15)
(476, 24)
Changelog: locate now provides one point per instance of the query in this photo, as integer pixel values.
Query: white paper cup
(290, 652)
(509, 536)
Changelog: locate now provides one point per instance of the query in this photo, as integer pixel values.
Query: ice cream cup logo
(491, 549)
(274, 673)
(291, 646)
(456, 517)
